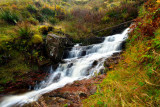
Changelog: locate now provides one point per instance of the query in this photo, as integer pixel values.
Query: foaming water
(81, 62)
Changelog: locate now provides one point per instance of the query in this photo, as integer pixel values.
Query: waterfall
(81, 62)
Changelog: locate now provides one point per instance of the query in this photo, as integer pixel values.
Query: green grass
(9, 16)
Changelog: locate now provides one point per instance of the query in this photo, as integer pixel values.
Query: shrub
(48, 12)
(86, 15)
(110, 1)
(60, 12)
(32, 21)
(24, 31)
(25, 14)
(39, 17)
(9, 17)
(31, 9)
(45, 29)
(38, 4)
(121, 13)
(52, 20)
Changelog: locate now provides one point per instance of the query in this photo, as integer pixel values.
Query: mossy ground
(135, 80)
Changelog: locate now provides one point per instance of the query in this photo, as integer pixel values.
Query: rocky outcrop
(71, 95)
(55, 46)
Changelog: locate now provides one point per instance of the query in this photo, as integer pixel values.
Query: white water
(82, 62)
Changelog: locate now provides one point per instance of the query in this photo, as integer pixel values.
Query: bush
(24, 31)
(32, 21)
(45, 29)
(9, 17)
(121, 13)
(31, 9)
(48, 12)
(39, 17)
(38, 4)
(52, 20)
(25, 14)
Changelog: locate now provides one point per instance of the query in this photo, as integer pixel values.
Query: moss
(37, 39)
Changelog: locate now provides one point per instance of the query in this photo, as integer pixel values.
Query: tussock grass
(9, 17)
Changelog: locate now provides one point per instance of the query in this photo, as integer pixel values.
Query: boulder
(92, 40)
(55, 46)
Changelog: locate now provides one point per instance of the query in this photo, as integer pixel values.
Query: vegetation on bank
(24, 25)
(135, 80)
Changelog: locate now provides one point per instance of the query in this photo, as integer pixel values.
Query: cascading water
(81, 62)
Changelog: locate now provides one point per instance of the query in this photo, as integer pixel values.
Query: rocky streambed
(72, 95)
(79, 67)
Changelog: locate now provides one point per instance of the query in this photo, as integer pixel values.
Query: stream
(80, 62)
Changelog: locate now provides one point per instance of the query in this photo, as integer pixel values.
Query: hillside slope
(135, 80)
(24, 25)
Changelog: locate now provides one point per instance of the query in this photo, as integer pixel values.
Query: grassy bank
(135, 80)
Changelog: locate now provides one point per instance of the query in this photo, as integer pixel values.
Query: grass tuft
(9, 16)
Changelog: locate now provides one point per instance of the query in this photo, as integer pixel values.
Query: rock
(112, 30)
(123, 45)
(57, 77)
(70, 95)
(82, 95)
(94, 63)
(55, 46)
(92, 40)
(113, 60)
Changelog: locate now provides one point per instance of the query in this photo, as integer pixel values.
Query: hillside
(135, 80)
(24, 25)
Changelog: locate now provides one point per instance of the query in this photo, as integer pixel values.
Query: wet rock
(101, 71)
(70, 65)
(123, 45)
(55, 46)
(82, 95)
(95, 63)
(57, 77)
(83, 53)
(66, 54)
(92, 40)
(70, 95)
(113, 60)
